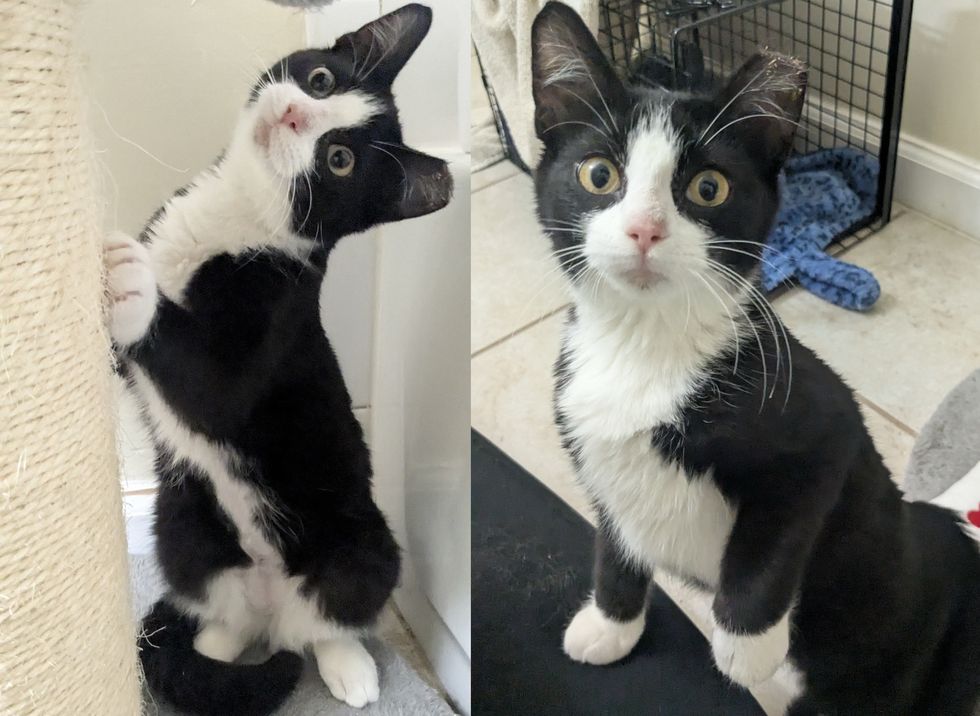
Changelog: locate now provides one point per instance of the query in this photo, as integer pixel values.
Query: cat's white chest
(665, 518)
(620, 387)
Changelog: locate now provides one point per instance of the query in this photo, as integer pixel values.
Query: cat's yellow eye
(598, 175)
(340, 159)
(321, 82)
(709, 188)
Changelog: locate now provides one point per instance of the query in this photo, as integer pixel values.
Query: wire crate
(856, 51)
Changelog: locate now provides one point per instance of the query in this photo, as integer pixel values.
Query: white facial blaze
(291, 152)
(651, 161)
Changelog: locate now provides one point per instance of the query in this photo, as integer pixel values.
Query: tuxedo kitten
(266, 530)
(713, 445)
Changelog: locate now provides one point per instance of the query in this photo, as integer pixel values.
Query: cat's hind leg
(348, 670)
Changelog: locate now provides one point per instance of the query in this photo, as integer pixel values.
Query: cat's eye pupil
(600, 176)
(708, 189)
(321, 81)
(340, 159)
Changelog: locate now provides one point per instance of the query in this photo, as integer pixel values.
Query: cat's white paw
(594, 638)
(132, 288)
(348, 670)
(220, 643)
(750, 659)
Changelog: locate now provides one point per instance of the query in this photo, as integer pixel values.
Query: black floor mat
(532, 558)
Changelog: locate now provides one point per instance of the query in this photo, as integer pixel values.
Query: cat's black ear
(767, 94)
(380, 49)
(572, 82)
(426, 186)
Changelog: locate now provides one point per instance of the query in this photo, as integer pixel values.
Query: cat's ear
(380, 49)
(426, 183)
(767, 93)
(572, 82)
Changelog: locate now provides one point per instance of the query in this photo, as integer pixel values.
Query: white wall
(942, 93)
(939, 156)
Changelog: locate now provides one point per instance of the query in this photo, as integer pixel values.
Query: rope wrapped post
(67, 643)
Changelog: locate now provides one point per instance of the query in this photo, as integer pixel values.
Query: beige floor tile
(514, 281)
(510, 389)
(921, 338)
(894, 443)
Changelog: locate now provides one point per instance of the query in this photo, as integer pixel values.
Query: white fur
(631, 371)
(219, 642)
(348, 671)
(132, 288)
(750, 659)
(243, 204)
(290, 153)
(645, 328)
(963, 496)
(669, 265)
(259, 602)
(594, 638)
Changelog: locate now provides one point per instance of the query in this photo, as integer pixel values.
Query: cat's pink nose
(646, 231)
(294, 118)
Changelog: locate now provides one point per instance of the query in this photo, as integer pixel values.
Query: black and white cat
(713, 445)
(266, 530)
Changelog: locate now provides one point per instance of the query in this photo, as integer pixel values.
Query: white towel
(502, 33)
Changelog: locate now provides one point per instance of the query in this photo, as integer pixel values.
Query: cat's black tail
(204, 687)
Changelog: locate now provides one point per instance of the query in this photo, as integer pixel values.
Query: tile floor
(901, 358)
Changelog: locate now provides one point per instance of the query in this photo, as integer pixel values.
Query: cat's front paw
(132, 288)
(348, 671)
(594, 638)
(750, 659)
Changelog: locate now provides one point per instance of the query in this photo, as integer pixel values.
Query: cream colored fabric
(502, 33)
(66, 637)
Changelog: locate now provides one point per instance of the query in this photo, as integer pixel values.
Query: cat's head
(319, 145)
(647, 192)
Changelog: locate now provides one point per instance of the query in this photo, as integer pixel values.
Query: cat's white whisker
(728, 312)
(406, 182)
(774, 321)
(583, 124)
(748, 85)
(752, 116)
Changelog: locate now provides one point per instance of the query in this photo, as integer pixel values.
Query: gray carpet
(948, 446)
(403, 692)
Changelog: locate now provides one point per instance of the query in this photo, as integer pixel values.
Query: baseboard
(941, 184)
(448, 659)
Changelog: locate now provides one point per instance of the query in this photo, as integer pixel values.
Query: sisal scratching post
(67, 643)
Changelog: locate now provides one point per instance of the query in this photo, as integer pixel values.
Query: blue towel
(823, 194)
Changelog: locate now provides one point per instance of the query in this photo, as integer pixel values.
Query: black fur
(886, 592)
(182, 676)
(243, 360)
(620, 585)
